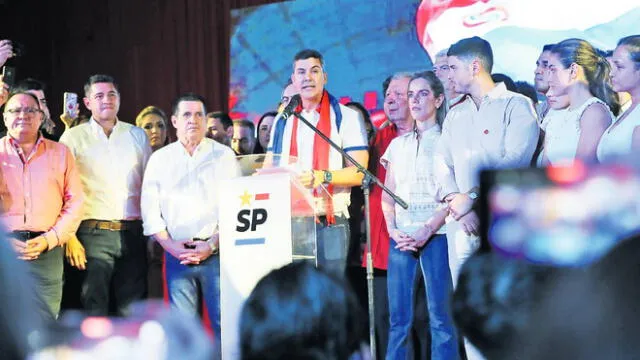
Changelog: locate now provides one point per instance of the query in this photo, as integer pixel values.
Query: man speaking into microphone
(321, 164)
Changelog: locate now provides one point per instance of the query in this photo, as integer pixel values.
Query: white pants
(461, 246)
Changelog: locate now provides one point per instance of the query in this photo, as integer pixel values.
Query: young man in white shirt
(490, 127)
(180, 208)
(111, 156)
(541, 81)
(321, 164)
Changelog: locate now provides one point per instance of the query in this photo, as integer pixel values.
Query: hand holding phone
(69, 109)
(8, 75)
(5, 87)
(71, 104)
(6, 51)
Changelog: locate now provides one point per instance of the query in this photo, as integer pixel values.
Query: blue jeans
(434, 262)
(184, 283)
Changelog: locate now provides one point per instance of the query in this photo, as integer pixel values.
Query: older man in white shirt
(111, 156)
(490, 127)
(180, 208)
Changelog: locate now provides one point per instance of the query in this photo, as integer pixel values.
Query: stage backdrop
(363, 42)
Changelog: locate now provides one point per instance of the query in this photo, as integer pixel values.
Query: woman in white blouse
(418, 240)
(554, 148)
(623, 136)
(579, 72)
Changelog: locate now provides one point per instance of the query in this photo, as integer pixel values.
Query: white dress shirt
(110, 168)
(411, 163)
(352, 136)
(180, 191)
(501, 133)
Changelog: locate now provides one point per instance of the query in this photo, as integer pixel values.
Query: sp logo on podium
(251, 216)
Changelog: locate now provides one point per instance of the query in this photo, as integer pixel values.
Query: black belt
(24, 235)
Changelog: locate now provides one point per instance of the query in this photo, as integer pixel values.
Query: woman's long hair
(596, 69)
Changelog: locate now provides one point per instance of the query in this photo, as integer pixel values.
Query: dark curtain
(155, 49)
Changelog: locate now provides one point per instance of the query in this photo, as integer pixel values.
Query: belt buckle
(114, 225)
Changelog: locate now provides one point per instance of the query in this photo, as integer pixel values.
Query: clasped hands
(413, 242)
(459, 206)
(30, 249)
(191, 252)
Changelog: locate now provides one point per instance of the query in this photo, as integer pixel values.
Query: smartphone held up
(70, 105)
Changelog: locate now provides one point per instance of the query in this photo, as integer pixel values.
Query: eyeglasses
(26, 111)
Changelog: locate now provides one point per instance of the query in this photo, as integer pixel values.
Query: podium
(267, 220)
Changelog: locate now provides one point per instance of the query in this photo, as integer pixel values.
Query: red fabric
(320, 147)
(379, 233)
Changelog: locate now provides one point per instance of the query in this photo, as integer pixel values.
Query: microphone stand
(368, 179)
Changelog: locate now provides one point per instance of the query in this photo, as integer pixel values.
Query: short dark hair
(300, 312)
(245, 123)
(188, 97)
(97, 79)
(547, 47)
(29, 84)
(307, 54)
(362, 109)
(508, 82)
(528, 90)
(224, 118)
(473, 47)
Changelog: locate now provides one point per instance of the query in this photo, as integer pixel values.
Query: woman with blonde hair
(578, 71)
(155, 124)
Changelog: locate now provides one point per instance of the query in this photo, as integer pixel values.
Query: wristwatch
(473, 194)
(327, 177)
(213, 246)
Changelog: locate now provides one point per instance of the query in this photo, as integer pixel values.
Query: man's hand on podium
(311, 179)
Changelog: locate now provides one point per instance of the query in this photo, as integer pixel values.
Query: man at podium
(180, 208)
(321, 164)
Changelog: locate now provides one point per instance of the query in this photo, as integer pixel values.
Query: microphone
(291, 106)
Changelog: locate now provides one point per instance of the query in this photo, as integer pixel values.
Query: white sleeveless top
(616, 141)
(562, 133)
